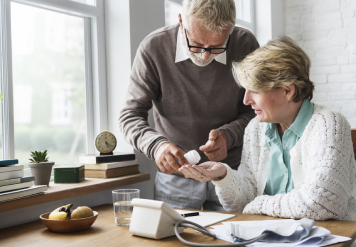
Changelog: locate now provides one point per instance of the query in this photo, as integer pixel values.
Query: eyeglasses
(196, 49)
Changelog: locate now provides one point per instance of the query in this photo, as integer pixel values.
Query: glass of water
(122, 205)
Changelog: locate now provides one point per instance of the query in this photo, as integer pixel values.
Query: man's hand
(216, 149)
(166, 158)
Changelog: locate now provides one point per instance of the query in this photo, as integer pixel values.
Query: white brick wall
(326, 30)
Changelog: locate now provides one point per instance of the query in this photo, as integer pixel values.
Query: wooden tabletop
(104, 233)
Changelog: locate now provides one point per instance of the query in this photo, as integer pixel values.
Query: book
(97, 159)
(106, 166)
(16, 186)
(9, 162)
(17, 194)
(11, 168)
(11, 174)
(16, 180)
(110, 173)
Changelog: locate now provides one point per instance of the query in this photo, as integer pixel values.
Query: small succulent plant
(39, 156)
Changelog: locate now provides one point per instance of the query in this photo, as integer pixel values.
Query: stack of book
(13, 184)
(109, 166)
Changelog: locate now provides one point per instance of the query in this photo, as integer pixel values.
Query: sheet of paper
(206, 218)
(318, 236)
(331, 239)
(256, 222)
(315, 237)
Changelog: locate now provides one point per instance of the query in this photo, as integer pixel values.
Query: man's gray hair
(215, 15)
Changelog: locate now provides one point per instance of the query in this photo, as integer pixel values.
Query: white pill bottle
(193, 157)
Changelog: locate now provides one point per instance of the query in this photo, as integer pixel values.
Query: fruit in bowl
(61, 213)
(64, 213)
(82, 212)
(62, 219)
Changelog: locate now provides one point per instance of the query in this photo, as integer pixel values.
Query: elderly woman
(297, 159)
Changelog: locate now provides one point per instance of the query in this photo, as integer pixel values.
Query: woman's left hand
(204, 172)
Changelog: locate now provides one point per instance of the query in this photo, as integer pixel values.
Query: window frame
(95, 64)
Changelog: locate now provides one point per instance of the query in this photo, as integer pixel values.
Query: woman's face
(270, 106)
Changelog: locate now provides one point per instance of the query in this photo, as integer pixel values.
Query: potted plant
(41, 168)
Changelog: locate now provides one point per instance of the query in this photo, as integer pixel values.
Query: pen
(190, 214)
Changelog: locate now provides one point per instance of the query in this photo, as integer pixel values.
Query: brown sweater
(188, 101)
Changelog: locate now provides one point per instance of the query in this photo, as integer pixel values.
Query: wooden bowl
(74, 225)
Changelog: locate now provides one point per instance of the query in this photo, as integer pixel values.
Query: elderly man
(184, 72)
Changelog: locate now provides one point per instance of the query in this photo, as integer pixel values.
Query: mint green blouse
(279, 180)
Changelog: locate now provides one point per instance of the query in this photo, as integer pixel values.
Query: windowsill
(61, 191)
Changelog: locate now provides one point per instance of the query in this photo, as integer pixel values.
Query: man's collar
(181, 55)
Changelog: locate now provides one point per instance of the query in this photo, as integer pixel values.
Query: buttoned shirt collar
(181, 54)
(304, 115)
(300, 122)
(280, 179)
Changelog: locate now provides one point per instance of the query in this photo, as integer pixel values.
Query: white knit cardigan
(323, 170)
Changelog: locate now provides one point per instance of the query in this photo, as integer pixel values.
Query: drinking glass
(122, 205)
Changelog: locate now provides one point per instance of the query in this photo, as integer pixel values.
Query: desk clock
(105, 143)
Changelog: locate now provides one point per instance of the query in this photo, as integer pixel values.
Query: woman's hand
(205, 171)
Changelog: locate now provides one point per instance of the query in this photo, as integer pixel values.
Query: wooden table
(104, 233)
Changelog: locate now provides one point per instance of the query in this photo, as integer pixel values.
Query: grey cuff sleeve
(155, 146)
(230, 139)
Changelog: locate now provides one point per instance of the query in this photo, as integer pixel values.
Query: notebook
(206, 218)
(15, 186)
(17, 194)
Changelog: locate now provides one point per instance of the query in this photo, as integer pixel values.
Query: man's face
(201, 37)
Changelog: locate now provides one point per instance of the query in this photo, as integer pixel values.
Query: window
(245, 16)
(172, 9)
(90, 2)
(53, 77)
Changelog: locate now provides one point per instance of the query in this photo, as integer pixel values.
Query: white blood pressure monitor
(153, 219)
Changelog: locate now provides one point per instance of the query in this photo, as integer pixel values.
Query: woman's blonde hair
(281, 62)
(215, 15)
